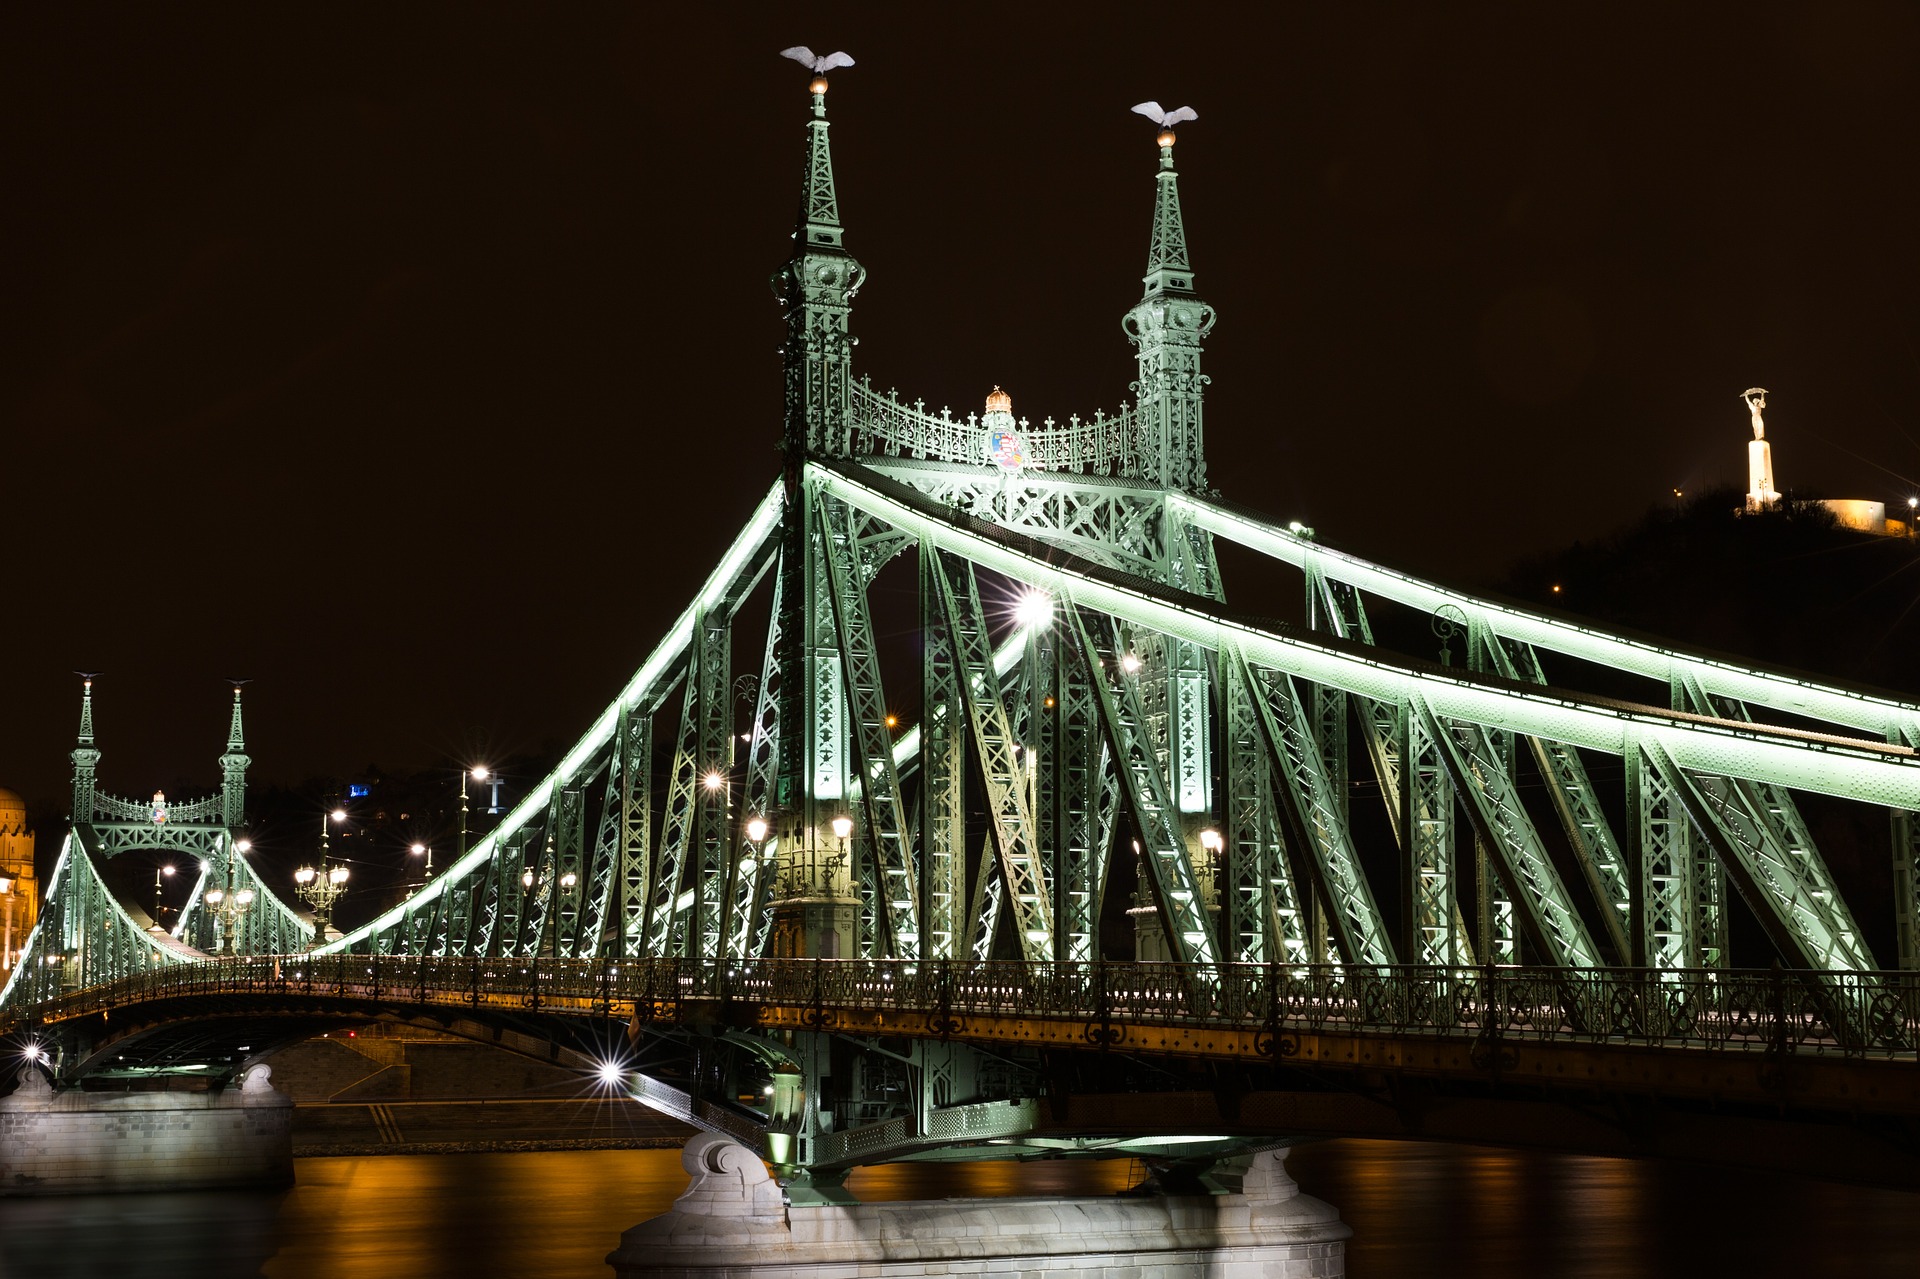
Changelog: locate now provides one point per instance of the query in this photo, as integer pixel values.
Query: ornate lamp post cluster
(227, 903)
(321, 888)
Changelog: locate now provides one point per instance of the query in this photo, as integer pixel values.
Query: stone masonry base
(732, 1224)
(56, 1143)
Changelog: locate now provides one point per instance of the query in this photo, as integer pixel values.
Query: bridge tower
(1168, 325)
(86, 758)
(233, 770)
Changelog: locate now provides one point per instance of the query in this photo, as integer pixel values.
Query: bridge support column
(65, 1143)
(732, 1224)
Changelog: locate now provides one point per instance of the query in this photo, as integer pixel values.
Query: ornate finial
(86, 706)
(1756, 398)
(1166, 120)
(999, 401)
(236, 738)
(819, 66)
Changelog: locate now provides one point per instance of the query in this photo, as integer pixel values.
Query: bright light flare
(339, 814)
(1033, 609)
(842, 827)
(715, 780)
(243, 847)
(756, 829)
(611, 1074)
(480, 773)
(1130, 664)
(418, 849)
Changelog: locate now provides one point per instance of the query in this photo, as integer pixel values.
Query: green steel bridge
(1122, 851)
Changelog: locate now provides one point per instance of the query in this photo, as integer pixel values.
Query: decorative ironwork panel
(1427, 846)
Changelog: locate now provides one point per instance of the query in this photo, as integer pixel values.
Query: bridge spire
(1168, 325)
(233, 768)
(817, 286)
(85, 757)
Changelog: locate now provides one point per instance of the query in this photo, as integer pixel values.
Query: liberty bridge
(1112, 894)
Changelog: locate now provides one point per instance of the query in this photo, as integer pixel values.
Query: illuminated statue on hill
(1760, 491)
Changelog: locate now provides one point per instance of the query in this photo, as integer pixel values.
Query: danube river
(1416, 1210)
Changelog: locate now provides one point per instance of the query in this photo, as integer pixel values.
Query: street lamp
(321, 888)
(228, 905)
(478, 773)
(158, 873)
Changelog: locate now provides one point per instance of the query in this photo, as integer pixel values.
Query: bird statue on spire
(815, 63)
(1165, 119)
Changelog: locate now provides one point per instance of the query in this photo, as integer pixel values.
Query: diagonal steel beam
(1013, 827)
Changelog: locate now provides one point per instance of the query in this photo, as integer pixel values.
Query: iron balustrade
(1848, 1014)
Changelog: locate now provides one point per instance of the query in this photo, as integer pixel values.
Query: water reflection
(1417, 1210)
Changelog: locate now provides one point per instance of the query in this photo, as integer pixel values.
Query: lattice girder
(1482, 771)
(1145, 789)
(881, 822)
(1013, 828)
(1316, 820)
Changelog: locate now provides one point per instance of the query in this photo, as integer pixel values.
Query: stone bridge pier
(733, 1223)
(79, 1142)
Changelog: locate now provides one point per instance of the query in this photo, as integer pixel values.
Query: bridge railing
(1781, 1011)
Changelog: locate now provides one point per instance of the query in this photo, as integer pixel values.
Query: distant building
(19, 889)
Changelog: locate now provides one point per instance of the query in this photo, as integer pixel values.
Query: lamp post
(227, 905)
(478, 774)
(842, 830)
(159, 872)
(423, 850)
(321, 888)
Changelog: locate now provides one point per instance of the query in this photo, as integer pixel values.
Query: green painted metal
(1009, 803)
(1168, 326)
(884, 836)
(1144, 785)
(1148, 711)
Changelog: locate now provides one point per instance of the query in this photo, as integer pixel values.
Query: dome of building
(13, 813)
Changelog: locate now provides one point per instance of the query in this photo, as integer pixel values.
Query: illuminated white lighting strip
(1806, 761)
(766, 518)
(1864, 711)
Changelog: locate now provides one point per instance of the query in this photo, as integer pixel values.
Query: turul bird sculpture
(817, 64)
(1160, 116)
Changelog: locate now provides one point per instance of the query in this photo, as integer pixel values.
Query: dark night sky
(417, 360)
